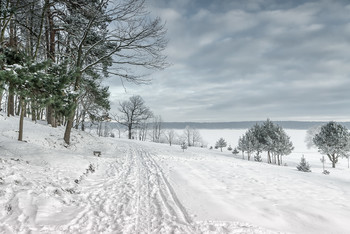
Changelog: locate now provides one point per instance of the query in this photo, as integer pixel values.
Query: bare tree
(134, 112)
(188, 135)
(192, 136)
(195, 136)
(170, 136)
(157, 128)
(112, 37)
(310, 134)
(143, 130)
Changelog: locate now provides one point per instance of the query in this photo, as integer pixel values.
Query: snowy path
(131, 196)
(127, 193)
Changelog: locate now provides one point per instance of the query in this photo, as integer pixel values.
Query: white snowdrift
(138, 187)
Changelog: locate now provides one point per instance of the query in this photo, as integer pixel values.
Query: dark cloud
(251, 59)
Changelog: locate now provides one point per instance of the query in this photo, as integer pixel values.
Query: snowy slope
(216, 187)
(48, 188)
(140, 187)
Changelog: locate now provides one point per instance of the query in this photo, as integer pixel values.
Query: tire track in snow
(168, 213)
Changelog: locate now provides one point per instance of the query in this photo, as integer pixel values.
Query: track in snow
(128, 193)
(130, 196)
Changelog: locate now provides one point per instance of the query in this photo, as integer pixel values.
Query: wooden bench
(98, 153)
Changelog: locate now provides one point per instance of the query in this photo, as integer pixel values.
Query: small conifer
(235, 151)
(303, 165)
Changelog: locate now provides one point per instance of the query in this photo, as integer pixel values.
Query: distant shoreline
(302, 125)
(245, 124)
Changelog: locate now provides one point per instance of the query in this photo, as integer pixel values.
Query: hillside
(142, 187)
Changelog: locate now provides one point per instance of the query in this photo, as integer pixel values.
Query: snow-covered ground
(142, 187)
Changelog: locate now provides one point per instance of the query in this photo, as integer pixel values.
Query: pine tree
(333, 141)
(257, 158)
(266, 137)
(303, 165)
(235, 151)
(221, 143)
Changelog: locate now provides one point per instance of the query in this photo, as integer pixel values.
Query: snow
(143, 187)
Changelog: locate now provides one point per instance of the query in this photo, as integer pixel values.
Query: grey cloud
(252, 59)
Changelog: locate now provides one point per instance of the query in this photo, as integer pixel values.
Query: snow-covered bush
(235, 151)
(229, 148)
(326, 172)
(303, 165)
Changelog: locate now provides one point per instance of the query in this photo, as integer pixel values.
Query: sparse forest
(54, 56)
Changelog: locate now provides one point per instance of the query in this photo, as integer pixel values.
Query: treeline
(303, 125)
(265, 137)
(54, 55)
(140, 123)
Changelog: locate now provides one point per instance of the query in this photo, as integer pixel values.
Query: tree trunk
(52, 41)
(25, 110)
(268, 157)
(83, 120)
(13, 45)
(49, 114)
(34, 113)
(40, 113)
(130, 129)
(11, 102)
(70, 121)
(20, 132)
(17, 105)
(53, 118)
(99, 129)
(77, 119)
(58, 119)
(332, 159)
(70, 117)
(68, 130)
(1, 94)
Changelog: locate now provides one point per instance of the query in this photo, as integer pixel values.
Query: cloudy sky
(238, 60)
